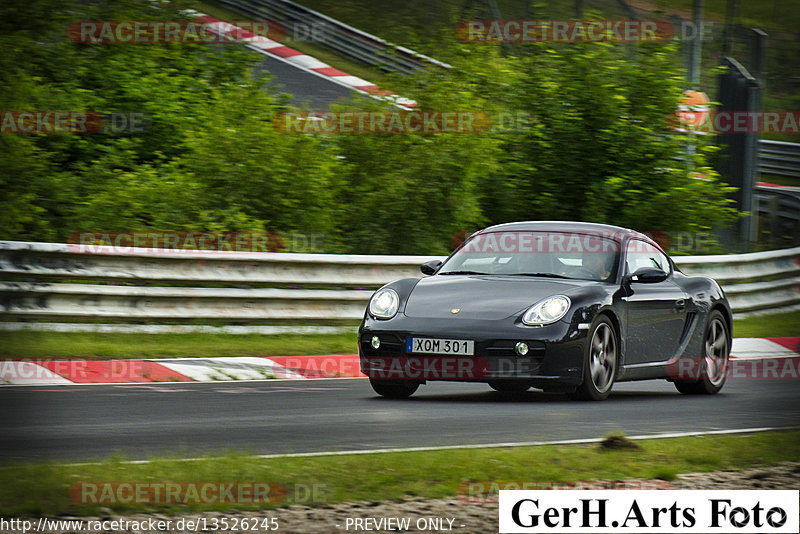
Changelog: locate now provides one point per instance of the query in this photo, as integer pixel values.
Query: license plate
(440, 346)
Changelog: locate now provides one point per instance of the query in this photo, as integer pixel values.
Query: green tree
(599, 147)
(412, 193)
(208, 158)
(580, 132)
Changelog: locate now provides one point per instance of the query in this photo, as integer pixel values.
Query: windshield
(572, 255)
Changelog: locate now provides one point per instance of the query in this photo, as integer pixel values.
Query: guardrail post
(739, 91)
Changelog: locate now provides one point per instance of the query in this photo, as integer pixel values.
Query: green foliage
(207, 160)
(589, 137)
(599, 147)
(407, 194)
(589, 141)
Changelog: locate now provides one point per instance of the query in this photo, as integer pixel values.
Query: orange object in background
(693, 113)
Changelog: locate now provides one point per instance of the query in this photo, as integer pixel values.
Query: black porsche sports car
(560, 306)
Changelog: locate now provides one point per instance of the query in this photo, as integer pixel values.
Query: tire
(393, 389)
(508, 386)
(715, 356)
(600, 362)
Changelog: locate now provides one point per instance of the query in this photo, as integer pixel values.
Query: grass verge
(773, 325)
(106, 346)
(33, 489)
(102, 346)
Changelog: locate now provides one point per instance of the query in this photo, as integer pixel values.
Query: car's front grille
(499, 354)
(394, 344)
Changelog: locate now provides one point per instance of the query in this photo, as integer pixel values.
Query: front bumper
(555, 356)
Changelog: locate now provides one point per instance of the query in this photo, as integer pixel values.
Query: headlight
(547, 311)
(384, 304)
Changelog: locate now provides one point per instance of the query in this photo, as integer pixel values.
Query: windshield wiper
(546, 275)
(462, 272)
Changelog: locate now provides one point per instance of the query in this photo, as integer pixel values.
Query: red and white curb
(298, 59)
(754, 348)
(54, 372)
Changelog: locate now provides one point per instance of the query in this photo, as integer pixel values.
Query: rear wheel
(600, 362)
(393, 389)
(509, 386)
(714, 360)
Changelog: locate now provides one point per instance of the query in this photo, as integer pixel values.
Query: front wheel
(600, 362)
(713, 361)
(393, 389)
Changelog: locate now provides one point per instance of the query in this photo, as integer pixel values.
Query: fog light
(376, 342)
(522, 348)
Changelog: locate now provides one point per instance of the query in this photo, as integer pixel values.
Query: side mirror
(430, 266)
(649, 275)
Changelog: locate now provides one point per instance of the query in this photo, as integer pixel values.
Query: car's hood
(478, 296)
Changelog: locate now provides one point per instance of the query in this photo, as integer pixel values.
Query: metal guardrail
(778, 158)
(60, 283)
(37, 262)
(335, 35)
(74, 282)
(778, 216)
(753, 282)
(778, 207)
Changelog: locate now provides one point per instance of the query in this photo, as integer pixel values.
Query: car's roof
(567, 226)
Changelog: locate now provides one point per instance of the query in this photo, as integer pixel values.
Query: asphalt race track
(286, 416)
(317, 92)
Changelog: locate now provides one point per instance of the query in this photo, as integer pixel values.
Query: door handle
(680, 304)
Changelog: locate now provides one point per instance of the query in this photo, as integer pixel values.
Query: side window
(640, 254)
